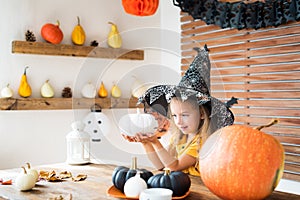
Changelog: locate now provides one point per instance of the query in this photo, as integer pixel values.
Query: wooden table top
(95, 186)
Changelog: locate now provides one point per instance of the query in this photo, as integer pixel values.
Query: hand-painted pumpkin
(121, 174)
(177, 181)
(239, 162)
(52, 33)
(140, 7)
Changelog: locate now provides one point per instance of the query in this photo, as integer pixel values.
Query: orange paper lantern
(140, 7)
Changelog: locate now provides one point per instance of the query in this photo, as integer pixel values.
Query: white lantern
(78, 144)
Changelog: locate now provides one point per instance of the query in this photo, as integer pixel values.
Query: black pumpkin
(176, 181)
(121, 174)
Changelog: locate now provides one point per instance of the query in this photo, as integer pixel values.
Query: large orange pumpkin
(239, 162)
(52, 33)
(140, 7)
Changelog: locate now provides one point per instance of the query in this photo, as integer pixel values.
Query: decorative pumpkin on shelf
(239, 162)
(88, 90)
(140, 7)
(47, 90)
(52, 33)
(7, 92)
(114, 39)
(116, 91)
(121, 174)
(24, 88)
(102, 92)
(177, 181)
(78, 34)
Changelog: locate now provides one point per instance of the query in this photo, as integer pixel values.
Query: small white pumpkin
(47, 90)
(32, 171)
(25, 181)
(138, 88)
(134, 186)
(131, 124)
(7, 92)
(88, 90)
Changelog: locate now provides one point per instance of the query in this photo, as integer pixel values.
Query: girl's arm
(152, 155)
(184, 162)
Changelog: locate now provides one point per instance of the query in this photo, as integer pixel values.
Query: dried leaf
(79, 177)
(65, 174)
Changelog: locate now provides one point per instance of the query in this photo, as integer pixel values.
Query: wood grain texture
(65, 103)
(43, 48)
(96, 185)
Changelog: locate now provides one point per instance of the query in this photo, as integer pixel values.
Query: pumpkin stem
(78, 21)
(25, 172)
(167, 171)
(28, 165)
(25, 70)
(134, 163)
(274, 121)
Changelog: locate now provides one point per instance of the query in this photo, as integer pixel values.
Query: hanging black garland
(241, 15)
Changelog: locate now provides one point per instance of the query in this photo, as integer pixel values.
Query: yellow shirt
(191, 149)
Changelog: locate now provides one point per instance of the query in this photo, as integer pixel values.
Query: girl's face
(185, 115)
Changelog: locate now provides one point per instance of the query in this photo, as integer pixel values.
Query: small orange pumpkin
(140, 7)
(239, 162)
(52, 33)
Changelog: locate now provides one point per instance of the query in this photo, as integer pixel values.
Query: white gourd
(7, 92)
(134, 186)
(25, 181)
(47, 90)
(88, 90)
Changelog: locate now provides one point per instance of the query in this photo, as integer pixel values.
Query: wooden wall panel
(259, 67)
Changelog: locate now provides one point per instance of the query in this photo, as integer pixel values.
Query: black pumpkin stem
(274, 121)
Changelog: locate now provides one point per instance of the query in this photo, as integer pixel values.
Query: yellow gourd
(114, 39)
(24, 88)
(102, 92)
(116, 91)
(78, 34)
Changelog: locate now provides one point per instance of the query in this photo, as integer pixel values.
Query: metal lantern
(78, 144)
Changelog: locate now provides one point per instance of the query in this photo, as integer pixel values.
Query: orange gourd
(102, 92)
(140, 7)
(239, 162)
(52, 33)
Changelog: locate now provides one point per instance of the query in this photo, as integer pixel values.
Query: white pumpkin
(138, 88)
(89, 90)
(32, 171)
(7, 92)
(134, 186)
(25, 181)
(131, 124)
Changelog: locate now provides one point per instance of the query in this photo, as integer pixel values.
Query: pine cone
(94, 43)
(67, 92)
(29, 36)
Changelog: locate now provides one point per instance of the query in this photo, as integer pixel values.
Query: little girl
(193, 113)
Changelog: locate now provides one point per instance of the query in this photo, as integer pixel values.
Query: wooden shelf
(65, 103)
(44, 48)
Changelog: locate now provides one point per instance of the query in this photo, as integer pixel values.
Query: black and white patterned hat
(196, 81)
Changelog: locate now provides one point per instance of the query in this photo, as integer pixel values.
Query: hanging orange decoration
(140, 7)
